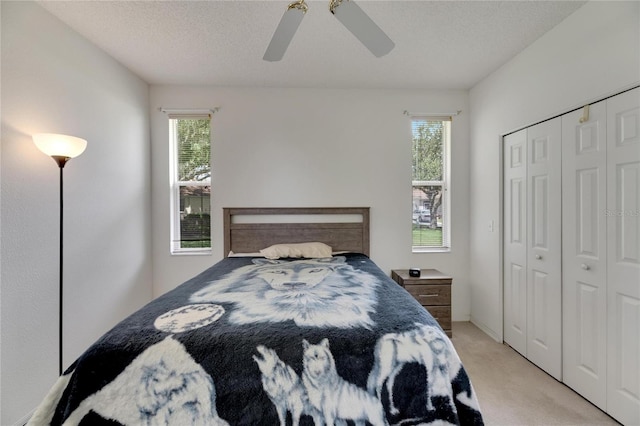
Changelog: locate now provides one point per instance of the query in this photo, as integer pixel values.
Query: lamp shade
(56, 145)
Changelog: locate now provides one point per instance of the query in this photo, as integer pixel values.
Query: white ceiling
(439, 44)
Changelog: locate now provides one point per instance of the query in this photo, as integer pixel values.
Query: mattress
(255, 341)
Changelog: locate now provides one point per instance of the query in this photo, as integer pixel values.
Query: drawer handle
(538, 257)
(585, 266)
(429, 295)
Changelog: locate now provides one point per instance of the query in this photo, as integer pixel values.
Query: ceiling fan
(347, 12)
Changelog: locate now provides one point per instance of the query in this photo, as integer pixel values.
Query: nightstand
(432, 289)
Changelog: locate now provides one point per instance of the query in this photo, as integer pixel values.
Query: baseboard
(486, 330)
(461, 318)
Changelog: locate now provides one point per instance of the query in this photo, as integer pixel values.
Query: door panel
(623, 265)
(538, 330)
(626, 213)
(544, 253)
(587, 360)
(518, 299)
(584, 248)
(515, 234)
(540, 212)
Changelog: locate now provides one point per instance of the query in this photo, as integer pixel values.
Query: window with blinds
(430, 216)
(190, 138)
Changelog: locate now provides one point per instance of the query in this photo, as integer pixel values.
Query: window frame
(175, 239)
(445, 183)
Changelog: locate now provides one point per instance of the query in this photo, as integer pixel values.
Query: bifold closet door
(515, 240)
(623, 265)
(544, 250)
(584, 253)
(532, 250)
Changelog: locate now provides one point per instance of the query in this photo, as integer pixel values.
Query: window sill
(196, 252)
(431, 250)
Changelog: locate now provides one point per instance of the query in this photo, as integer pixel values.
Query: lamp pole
(61, 148)
(61, 160)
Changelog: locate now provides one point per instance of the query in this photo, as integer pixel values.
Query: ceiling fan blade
(361, 26)
(286, 30)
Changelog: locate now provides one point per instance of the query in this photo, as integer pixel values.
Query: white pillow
(308, 250)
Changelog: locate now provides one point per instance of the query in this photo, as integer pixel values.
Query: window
(430, 212)
(190, 138)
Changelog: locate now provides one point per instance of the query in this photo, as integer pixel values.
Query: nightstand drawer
(429, 295)
(432, 289)
(442, 314)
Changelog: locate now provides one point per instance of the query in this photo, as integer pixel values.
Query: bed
(276, 333)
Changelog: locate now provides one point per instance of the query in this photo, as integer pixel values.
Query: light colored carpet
(513, 391)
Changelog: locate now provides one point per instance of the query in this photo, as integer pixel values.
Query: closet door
(623, 226)
(544, 252)
(584, 249)
(515, 240)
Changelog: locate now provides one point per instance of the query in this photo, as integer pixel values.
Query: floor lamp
(61, 148)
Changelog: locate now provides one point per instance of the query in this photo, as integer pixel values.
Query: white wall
(315, 147)
(593, 53)
(53, 80)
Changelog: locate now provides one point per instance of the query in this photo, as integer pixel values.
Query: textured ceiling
(439, 44)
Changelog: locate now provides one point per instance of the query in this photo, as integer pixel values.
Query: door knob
(538, 257)
(585, 266)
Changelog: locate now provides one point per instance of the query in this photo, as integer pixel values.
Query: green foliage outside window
(194, 149)
(427, 150)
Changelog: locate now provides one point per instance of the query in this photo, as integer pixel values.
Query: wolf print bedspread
(252, 341)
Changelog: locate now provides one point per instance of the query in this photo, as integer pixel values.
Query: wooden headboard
(249, 229)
